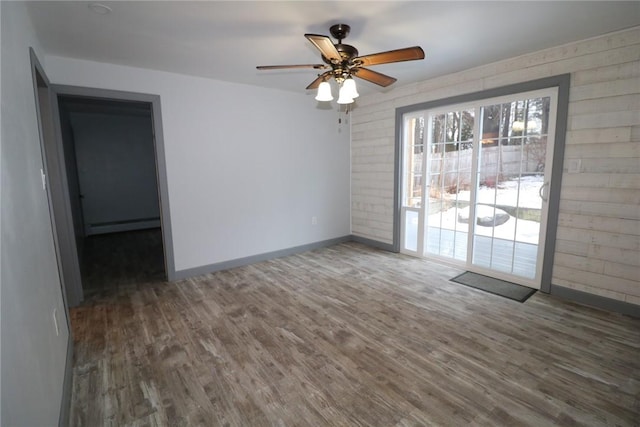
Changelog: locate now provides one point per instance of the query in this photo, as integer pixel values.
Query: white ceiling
(225, 40)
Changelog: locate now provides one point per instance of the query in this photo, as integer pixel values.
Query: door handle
(541, 192)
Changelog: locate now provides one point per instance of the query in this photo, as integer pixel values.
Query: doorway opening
(110, 158)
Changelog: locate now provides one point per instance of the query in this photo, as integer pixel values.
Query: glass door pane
(510, 179)
(448, 183)
(413, 170)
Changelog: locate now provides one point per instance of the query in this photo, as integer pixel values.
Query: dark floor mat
(495, 286)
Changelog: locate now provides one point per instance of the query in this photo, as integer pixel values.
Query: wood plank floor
(347, 336)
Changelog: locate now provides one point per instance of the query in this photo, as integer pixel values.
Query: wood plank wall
(598, 237)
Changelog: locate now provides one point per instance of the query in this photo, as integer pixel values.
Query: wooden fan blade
(325, 46)
(280, 67)
(322, 77)
(373, 76)
(398, 55)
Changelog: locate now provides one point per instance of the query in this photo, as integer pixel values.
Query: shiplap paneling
(601, 209)
(604, 89)
(577, 276)
(611, 224)
(604, 150)
(598, 136)
(597, 242)
(602, 74)
(603, 119)
(612, 195)
(616, 103)
(612, 165)
(621, 255)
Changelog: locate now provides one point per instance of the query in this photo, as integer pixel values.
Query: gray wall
(32, 354)
(68, 146)
(116, 171)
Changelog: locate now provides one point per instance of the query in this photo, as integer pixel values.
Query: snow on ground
(523, 230)
(505, 194)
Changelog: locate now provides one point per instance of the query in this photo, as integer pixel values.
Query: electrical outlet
(314, 220)
(55, 321)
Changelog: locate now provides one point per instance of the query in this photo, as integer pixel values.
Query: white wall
(247, 167)
(598, 243)
(33, 356)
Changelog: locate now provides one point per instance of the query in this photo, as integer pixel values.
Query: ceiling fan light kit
(343, 97)
(324, 92)
(349, 85)
(344, 64)
(346, 94)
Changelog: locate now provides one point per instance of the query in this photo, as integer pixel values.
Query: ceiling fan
(343, 63)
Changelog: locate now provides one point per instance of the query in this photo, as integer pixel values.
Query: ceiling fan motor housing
(340, 31)
(347, 52)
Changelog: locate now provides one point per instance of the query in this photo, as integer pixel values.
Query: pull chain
(346, 113)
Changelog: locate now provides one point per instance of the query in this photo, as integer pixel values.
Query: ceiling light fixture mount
(345, 63)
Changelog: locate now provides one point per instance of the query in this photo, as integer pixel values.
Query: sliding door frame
(562, 82)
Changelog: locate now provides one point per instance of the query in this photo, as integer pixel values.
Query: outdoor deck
(520, 261)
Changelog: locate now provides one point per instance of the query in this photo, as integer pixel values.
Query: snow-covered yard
(506, 193)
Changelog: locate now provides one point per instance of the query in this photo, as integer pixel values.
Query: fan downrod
(340, 31)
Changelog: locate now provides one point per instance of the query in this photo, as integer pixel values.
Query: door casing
(55, 171)
(158, 139)
(57, 188)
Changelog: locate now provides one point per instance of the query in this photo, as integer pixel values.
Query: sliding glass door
(475, 182)
(449, 173)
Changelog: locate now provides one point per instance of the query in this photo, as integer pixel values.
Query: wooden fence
(452, 171)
